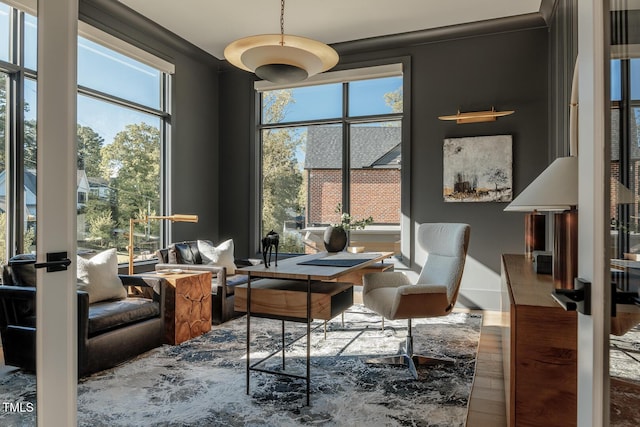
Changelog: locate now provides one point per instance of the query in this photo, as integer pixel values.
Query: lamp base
(565, 249)
(534, 234)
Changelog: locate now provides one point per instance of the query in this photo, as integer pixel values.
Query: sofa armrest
(83, 317)
(16, 302)
(219, 273)
(17, 292)
(154, 287)
(191, 267)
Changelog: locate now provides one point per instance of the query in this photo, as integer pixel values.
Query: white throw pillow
(220, 256)
(98, 276)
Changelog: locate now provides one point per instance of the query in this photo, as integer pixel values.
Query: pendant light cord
(281, 22)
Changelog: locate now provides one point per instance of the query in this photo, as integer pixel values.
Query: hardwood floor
(487, 402)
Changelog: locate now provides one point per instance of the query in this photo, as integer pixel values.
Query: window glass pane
(110, 72)
(5, 32)
(301, 184)
(30, 155)
(375, 159)
(635, 79)
(616, 90)
(30, 41)
(3, 172)
(375, 96)
(118, 177)
(305, 103)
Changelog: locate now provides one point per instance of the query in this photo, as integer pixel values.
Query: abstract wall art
(478, 169)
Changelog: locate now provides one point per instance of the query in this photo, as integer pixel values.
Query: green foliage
(3, 118)
(132, 161)
(28, 239)
(3, 238)
(394, 100)
(101, 227)
(100, 223)
(30, 144)
(281, 175)
(29, 130)
(89, 146)
(347, 222)
(291, 242)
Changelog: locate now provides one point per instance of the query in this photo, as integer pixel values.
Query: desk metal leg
(308, 338)
(283, 345)
(248, 329)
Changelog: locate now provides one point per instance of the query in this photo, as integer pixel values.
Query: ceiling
(212, 24)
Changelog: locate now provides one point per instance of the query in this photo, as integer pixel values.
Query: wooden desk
(306, 278)
(539, 345)
(187, 305)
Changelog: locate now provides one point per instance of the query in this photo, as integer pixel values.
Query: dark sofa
(186, 256)
(109, 332)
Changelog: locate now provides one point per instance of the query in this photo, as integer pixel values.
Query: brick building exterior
(374, 192)
(375, 174)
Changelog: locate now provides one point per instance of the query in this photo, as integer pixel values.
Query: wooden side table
(188, 306)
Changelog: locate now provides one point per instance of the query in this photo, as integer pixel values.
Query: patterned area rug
(625, 378)
(202, 382)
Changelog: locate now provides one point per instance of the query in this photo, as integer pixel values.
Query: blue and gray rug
(202, 382)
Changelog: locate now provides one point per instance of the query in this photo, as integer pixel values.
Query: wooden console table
(539, 344)
(187, 311)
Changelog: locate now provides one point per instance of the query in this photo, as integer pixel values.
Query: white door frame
(593, 262)
(56, 300)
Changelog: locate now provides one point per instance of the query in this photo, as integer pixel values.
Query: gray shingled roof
(371, 146)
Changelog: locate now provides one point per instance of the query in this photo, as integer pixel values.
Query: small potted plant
(336, 236)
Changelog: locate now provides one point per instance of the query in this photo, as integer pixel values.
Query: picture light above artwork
(477, 116)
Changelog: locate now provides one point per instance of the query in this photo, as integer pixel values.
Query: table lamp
(556, 190)
(146, 218)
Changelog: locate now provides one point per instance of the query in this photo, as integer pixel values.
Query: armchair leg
(408, 359)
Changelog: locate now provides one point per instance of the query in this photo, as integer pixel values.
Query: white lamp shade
(555, 189)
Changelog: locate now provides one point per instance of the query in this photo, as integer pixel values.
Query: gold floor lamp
(146, 218)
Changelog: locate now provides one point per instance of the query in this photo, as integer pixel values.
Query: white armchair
(394, 296)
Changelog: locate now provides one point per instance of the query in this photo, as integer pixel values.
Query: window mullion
(346, 157)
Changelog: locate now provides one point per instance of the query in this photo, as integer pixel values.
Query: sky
(98, 68)
(325, 101)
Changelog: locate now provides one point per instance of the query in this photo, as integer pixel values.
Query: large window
(122, 120)
(328, 149)
(625, 156)
(122, 117)
(17, 132)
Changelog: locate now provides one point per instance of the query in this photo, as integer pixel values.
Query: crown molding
(451, 32)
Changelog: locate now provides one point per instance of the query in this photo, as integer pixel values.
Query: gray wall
(194, 149)
(508, 70)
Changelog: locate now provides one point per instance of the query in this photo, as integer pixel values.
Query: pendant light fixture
(281, 58)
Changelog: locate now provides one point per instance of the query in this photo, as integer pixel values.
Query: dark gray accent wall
(238, 159)
(194, 145)
(507, 70)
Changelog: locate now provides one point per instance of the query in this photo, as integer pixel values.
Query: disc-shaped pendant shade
(299, 58)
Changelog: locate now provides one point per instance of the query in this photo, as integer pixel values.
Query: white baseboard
(481, 299)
